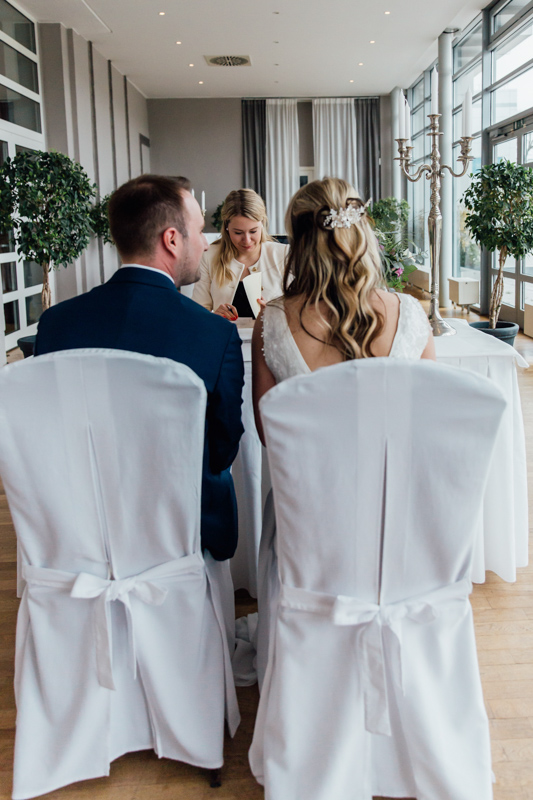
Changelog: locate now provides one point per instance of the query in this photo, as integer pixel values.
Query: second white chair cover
(121, 643)
(372, 684)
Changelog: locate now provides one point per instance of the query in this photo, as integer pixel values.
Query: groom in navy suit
(157, 227)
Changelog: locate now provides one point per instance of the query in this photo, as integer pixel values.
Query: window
(505, 15)
(20, 110)
(467, 256)
(18, 67)
(20, 132)
(17, 26)
(468, 49)
(513, 97)
(513, 52)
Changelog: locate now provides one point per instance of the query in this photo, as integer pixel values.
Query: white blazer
(271, 265)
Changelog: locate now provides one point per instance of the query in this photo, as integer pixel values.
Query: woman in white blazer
(245, 247)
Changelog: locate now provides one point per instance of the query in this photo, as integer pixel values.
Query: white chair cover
(101, 458)
(372, 684)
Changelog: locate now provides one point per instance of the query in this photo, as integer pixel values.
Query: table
(502, 534)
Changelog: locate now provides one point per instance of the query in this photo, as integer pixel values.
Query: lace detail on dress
(284, 360)
(282, 356)
(413, 329)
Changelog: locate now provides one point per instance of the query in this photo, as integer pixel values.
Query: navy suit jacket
(141, 310)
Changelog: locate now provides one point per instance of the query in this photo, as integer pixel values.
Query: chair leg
(214, 778)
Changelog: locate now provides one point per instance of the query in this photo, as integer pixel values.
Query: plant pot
(504, 331)
(27, 344)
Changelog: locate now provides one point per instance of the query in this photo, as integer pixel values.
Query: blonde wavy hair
(239, 203)
(340, 267)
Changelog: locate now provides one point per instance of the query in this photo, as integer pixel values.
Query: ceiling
(298, 48)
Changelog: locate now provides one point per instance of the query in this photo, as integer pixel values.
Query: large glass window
(467, 253)
(18, 67)
(513, 97)
(527, 145)
(511, 54)
(505, 151)
(505, 15)
(20, 110)
(468, 49)
(16, 25)
(471, 79)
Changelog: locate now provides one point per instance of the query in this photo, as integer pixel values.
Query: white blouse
(271, 265)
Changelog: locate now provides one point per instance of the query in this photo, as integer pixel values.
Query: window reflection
(18, 68)
(34, 308)
(16, 25)
(20, 110)
(468, 49)
(33, 274)
(515, 96)
(9, 277)
(12, 317)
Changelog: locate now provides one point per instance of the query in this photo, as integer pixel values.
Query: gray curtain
(368, 148)
(254, 145)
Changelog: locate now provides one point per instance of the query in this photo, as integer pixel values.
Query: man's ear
(172, 241)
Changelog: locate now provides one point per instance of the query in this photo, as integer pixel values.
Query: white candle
(203, 201)
(434, 91)
(467, 114)
(407, 112)
(401, 116)
(192, 192)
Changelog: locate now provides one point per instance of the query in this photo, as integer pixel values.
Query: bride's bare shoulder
(386, 301)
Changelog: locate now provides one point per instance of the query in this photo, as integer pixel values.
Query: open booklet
(252, 287)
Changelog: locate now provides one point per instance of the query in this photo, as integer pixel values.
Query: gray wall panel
(201, 139)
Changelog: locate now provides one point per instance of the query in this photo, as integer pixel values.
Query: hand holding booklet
(252, 287)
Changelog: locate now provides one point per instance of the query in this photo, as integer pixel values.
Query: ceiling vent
(228, 61)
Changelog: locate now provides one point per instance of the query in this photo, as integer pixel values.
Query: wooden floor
(504, 625)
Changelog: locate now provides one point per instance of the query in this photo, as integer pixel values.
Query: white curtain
(282, 160)
(335, 138)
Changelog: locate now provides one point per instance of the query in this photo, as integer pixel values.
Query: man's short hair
(141, 209)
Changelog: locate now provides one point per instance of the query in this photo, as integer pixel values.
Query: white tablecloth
(502, 537)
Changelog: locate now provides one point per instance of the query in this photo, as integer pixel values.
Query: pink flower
(399, 270)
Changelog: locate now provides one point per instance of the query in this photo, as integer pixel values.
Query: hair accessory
(345, 217)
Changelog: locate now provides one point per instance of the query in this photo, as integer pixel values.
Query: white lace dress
(284, 360)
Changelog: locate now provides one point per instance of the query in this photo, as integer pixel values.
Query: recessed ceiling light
(161, 13)
(372, 41)
(387, 12)
(200, 82)
(351, 81)
(191, 65)
(276, 42)
(276, 81)
(178, 42)
(360, 64)
(276, 65)
(275, 12)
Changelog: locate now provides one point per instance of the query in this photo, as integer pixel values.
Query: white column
(446, 141)
(397, 181)
(2, 332)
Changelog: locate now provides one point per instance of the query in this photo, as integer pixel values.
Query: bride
(333, 308)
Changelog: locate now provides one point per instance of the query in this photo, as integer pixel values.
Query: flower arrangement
(399, 255)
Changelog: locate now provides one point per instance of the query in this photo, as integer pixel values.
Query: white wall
(84, 102)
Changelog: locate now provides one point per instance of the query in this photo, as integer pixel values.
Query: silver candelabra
(434, 172)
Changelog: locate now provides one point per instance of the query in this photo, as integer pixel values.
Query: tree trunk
(46, 294)
(497, 291)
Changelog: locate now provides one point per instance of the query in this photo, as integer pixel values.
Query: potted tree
(500, 205)
(46, 200)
